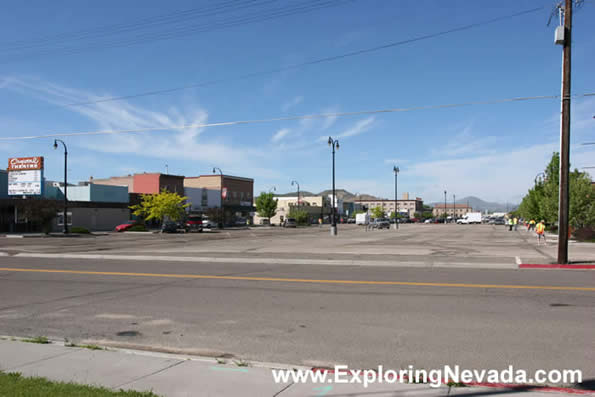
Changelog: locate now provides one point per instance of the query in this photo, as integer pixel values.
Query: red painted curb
(555, 266)
(536, 388)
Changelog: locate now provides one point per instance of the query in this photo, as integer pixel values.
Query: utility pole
(565, 138)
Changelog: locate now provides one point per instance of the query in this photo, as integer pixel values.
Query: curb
(556, 266)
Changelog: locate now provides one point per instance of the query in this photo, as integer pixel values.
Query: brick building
(459, 210)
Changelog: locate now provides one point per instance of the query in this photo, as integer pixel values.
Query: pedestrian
(515, 222)
(320, 222)
(510, 224)
(540, 230)
(532, 224)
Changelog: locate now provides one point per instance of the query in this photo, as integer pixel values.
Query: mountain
(480, 205)
(303, 193)
(342, 194)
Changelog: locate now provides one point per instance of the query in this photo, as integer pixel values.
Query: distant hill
(480, 205)
(342, 194)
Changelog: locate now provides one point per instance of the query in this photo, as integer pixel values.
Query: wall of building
(408, 207)
(145, 183)
(240, 191)
(171, 183)
(458, 210)
(95, 219)
(3, 184)
(115, 181)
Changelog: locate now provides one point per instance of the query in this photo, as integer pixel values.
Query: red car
(194, 223)
(125, 226)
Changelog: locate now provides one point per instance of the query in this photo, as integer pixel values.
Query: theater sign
(25, 176)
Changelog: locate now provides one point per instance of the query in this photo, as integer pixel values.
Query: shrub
(80, 230)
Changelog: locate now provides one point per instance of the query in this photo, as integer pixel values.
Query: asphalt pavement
(308, 314)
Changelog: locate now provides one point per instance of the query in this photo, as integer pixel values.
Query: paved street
(309, 314)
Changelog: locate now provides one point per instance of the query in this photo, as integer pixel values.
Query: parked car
(429, 220)
(240, 222)
(194, 223)
(380, 223)
(172, 227)
(289, 222)
(351, 220)
(208, 223)
(125, 226)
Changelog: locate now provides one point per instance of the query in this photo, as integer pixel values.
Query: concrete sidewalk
(176, 375)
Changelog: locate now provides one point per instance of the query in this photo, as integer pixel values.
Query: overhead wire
(308, 63)
(289, 118)
(182, 31)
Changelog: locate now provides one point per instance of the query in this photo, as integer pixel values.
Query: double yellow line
(301, 280)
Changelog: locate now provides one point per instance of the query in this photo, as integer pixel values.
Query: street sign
(25, 176)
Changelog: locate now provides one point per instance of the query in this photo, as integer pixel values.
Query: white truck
(362, 219)
(469, 218)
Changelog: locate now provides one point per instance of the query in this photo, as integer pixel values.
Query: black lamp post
(65, 217)
(454, 209)
(445, 214)
(396, 171)
(334, 144)
(222, 211)
(298, 191)
(539, 178)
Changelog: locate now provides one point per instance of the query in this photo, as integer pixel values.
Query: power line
(291, 118)
(588, 143)
(174, 17)
(182, 31)
(311, 62)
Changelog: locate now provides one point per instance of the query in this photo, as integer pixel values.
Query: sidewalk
(172, 375)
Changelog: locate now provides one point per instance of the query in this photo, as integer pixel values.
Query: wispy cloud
(282, 133)
(292, 103)
(185, 144)
(359, 127)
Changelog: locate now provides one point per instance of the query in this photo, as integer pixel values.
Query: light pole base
(333, 230)
(396, 226)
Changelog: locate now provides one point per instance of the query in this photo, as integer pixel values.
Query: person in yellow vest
(531, 225)
(540, 230)
(515, 222)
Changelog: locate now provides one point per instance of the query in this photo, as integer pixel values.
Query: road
(309, 314)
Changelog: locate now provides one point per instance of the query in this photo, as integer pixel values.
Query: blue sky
(490, 151)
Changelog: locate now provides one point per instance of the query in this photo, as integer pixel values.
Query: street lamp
(454, 208)
(539, 178)
(298, 191)
(65, 217)
(222, 212)
(334, 144)
(445, 214)
(272, 189)
(396, 171)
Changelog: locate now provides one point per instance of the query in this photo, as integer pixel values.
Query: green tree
(378, 212)
(301, 216)
(541, 201)
(266, 205)
(162, 205)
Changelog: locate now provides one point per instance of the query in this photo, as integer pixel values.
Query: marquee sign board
(25, 176)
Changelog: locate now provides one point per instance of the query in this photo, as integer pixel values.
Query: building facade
(406, 207)
(458, 210)
(145, 183)
(316, 207)
(234, 193)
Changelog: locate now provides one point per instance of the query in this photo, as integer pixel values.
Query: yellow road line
(301, 280)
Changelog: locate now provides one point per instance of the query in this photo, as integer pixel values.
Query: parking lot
(412, 244)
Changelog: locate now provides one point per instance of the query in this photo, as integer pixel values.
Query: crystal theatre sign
(25, 176)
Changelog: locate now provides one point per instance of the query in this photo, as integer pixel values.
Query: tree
(266, 205)
(378, 212)
(159, 206)
(541, 201)
(301, 216)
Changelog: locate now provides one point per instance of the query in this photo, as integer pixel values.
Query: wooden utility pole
(565, 138)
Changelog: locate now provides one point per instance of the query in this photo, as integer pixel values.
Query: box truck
(362, 219)
(470, 217)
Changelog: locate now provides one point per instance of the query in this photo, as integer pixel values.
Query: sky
(55, 54)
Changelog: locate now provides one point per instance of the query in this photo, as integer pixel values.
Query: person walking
(515, 222)
(510, 224)
(531, 225)
(540, 230)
